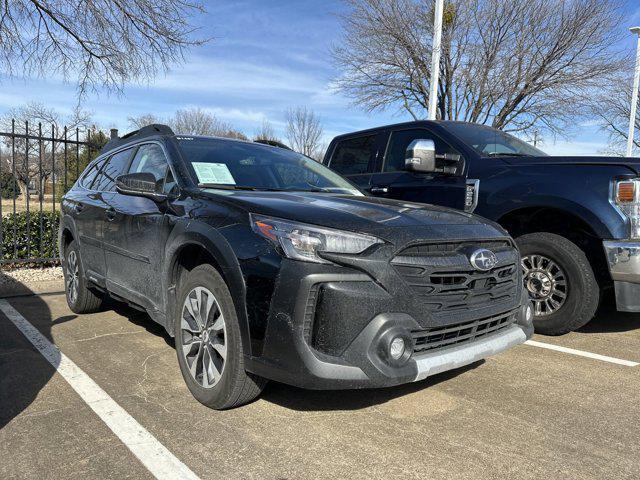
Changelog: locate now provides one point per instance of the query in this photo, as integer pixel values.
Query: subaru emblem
(483, 259)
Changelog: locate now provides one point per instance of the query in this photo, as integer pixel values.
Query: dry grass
(34, 205)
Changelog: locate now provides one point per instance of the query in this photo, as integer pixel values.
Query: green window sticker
(213, 173)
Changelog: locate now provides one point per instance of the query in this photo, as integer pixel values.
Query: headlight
(303, 242)
(627, 199)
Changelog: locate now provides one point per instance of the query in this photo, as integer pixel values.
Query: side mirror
(141, 184)
(420, 156)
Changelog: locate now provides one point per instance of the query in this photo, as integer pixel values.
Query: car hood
(385, 218)
(631, 163)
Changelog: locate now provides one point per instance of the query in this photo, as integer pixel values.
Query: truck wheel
(560, 282)
(80, 298)
(208, 342)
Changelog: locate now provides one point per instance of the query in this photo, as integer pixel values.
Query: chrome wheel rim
(203, 337)
(72, 276)
(546, 283)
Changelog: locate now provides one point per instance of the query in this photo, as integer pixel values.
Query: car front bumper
(623, 258)
(363, 319)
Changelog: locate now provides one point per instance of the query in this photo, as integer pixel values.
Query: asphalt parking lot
(528, 413)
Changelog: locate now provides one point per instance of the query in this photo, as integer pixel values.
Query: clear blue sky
(266, 56)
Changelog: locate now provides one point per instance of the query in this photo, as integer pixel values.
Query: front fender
(583, 191)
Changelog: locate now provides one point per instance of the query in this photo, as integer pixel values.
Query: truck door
(392, 180)
(355, 157)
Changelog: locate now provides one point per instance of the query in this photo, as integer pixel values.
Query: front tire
(80, 298)
(208, 342)
(560, 282)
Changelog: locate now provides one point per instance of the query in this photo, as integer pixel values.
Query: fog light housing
(397, 348)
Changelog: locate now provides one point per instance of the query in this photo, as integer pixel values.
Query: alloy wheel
(72, 276)
(203, 337)
(546, 283)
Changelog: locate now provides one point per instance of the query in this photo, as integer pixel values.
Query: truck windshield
(490, 142)
(237, 165)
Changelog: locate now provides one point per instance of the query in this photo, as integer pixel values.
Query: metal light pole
(435, 58)
(634, 97)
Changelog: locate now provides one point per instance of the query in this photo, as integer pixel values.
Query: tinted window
(400, 140)
(115, 166)
(489, 142)
(217, 162)
(90, 174)
(352, 156)
(150, 158)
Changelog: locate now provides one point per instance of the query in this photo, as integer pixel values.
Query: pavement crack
(107, 335)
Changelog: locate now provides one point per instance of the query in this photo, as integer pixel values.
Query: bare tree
(613, 108)
(197, 121)
(514, 65)
(266, 133)
(190, 121)
(101, 43)
(140, 121)
(304, 132)
(33, 161)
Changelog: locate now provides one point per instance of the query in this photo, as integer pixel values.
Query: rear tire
(80, 298)
(577, 293)
(208, 342)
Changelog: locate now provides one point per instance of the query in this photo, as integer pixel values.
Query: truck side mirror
(420, 156)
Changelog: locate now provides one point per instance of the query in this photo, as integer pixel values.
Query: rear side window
(352, 156)
(150, 158)
(90, 174)
(115, 166)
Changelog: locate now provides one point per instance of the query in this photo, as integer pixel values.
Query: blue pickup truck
(576, 219)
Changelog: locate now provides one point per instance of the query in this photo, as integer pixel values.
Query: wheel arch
(197, 245)
(565, 223)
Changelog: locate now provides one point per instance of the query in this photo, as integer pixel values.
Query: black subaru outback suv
(264, 264)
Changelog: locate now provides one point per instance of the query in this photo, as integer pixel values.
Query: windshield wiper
(226, 186)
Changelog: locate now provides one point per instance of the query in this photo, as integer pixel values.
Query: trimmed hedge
(8, 186)
(26, 234)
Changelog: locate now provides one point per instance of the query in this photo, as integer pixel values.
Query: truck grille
(440, 337)
(444, 278)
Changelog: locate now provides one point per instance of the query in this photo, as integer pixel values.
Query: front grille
(440, 337)
(440, 248)
(442, 275)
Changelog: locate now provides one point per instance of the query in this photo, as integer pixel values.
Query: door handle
(379, 190)
(78, 207)
(111, 214)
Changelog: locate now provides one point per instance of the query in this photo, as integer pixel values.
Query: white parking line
(582, 353)
(154, 456)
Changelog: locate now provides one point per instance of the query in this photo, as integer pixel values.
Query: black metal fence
(38, 165)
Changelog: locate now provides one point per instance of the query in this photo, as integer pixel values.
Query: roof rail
(146, 131)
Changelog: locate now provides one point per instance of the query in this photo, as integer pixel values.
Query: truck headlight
(303, 242)
(627, 199)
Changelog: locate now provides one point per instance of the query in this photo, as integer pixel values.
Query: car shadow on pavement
(327, 400)
(139, 318)
(608, 320)
(23, 370)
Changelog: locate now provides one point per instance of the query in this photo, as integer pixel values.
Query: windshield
(227, 164)
(489, 142)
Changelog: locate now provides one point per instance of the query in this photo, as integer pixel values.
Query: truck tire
(80, 298)
(560, 282)
(208, 342)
